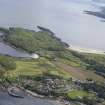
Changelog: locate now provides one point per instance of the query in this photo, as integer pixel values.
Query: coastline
(5, 99)
(29, 98)
(86, 50)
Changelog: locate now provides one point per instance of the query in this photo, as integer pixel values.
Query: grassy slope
(50, 48)
(55, 59)
(80, 73)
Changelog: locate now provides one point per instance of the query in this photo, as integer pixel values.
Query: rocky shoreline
(21, 93)
(24, 92)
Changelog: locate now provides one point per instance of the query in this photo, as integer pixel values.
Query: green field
(36, 67)
(78, 94)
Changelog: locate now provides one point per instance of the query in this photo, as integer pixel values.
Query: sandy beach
(85, 50)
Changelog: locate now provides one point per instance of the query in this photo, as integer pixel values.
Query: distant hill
(100, 14)
(99, 1)
(31, 41)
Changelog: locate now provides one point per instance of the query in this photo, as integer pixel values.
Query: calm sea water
(65, 17)
(8, 50)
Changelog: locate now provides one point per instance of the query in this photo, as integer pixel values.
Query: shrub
(7, 63)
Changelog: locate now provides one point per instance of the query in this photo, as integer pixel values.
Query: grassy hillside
(37, 67)
(93, 62)
(56, 63)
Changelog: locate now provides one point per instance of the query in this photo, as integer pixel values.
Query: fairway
(36, 68)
